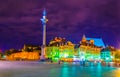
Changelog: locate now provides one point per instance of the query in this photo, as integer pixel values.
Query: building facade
(60, 49)
(106, 55)
(90, 48)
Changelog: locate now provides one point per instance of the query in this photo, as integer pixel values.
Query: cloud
(21, 19)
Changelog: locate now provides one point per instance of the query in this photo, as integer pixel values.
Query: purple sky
(20, 21)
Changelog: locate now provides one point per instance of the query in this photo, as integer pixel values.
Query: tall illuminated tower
(44, 21)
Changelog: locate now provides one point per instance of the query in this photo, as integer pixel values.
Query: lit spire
(84, 38)
(44, 12)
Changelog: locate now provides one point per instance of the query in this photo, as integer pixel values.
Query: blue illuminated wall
(106, 55)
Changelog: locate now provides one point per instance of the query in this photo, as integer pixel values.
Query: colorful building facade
(60, 49)
(52, 52)
(91, 48)
(106, 55)
(24, 56)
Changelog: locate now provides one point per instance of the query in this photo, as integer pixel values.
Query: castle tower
(44, 21)
(84, 38)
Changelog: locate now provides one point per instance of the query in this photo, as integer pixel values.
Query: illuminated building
(29, 52)
(97, 41)
(106, 54)
(57, 41)
(24, 56)
(52, 52)
(117, 55)
(90, 48)
(60, 49)
(67, 51)
(113, 52)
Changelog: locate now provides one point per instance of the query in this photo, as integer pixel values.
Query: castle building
(67, 51)
(28, 52)
(90, 48)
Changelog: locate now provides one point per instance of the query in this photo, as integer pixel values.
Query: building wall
(117, 56)
(90, 53)
(24, 56)
(52, 52)
(57, 53)
(106, 55)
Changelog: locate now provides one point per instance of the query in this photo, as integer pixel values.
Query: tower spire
(84, 38)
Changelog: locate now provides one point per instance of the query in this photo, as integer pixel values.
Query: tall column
(44, 21)
(44, 34)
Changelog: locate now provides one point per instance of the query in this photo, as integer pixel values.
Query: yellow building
(117, 56)
(67, 51)
(113, 52)
(52, 52)
(57, 41)
(90, 53)
(90, 48)
(24, 56)
(60, 51)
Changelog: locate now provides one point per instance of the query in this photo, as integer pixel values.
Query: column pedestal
(42, 57)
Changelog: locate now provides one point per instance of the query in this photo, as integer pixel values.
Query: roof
(97, 41)
(105, 50)
(77, 46)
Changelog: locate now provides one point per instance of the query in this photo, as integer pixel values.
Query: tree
(0, 54)
(7, 52)
(10, 51)
(117, 55)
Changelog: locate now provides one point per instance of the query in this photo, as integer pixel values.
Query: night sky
(20, 21)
